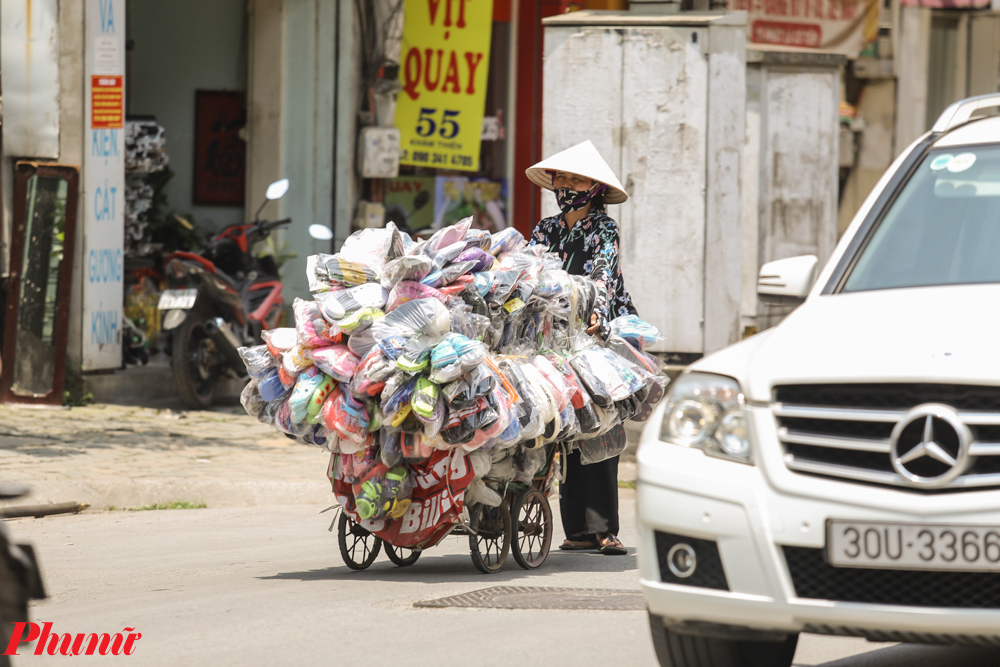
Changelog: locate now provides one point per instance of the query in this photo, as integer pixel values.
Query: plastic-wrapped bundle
(602, 447)
(635, 330)
(373, 247)
(346, 415)
(478, 238)
(271, 387)
(415, 371)
(553, 284)
(409, 290)
(326, 271)
(462, 422)
(482, 259)
(259, 361)
(335, 306)
(420, 315)
(305, 387)
(381, 492)
(581, 402)
(447, 254)
(448, 274)
(312, 328)
(447, 235)
(476, 382)
(280, 340)
(506, 240)
(597, 390)
(454, 355)
(409, 267)
(371, 374)
(337, 361)
(251, 400)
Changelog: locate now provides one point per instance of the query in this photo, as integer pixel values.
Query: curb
(129, 493)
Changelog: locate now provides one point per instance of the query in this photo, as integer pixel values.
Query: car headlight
(706, 411)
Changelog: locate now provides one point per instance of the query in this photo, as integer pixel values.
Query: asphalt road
(266, 586)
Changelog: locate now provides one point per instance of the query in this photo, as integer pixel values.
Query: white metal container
(790, 165)
(663, 99)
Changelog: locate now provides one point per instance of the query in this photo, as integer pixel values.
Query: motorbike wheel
(196, 372)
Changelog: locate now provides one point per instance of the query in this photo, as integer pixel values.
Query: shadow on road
(459, 568)
(922, 655)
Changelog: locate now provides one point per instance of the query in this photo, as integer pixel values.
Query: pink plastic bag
(410, 291)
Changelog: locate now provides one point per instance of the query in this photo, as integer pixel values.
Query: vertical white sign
(104, 184)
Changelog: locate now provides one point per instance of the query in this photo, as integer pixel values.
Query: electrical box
(370, 214)
(663, 98)
(378, 152)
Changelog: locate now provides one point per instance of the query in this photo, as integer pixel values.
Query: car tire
(674, 649)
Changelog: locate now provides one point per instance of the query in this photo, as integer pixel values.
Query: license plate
(913, 546)
(177, 298)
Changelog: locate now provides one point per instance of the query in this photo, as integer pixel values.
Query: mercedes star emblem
(930, 446)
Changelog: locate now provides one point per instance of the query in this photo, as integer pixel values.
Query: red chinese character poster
(219, 150)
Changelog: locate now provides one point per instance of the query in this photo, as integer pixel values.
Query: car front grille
(843, 430)
(814, 578)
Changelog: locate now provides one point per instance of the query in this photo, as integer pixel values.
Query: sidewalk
(123, 456)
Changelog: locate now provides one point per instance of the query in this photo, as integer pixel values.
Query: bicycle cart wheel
(489, 540)
(401, 556)
(532, 528)
(358, 547)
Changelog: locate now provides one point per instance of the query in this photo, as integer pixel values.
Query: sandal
(610, 545)
(579, 545)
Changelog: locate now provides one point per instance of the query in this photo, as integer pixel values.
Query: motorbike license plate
(913, 546)
(182, 299)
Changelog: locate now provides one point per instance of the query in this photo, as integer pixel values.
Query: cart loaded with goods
(446, 377)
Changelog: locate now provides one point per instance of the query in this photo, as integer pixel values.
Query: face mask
(573, 200)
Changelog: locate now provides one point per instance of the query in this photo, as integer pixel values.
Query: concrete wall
(179, 47)
(912, 68)
(984, 53)
(307, 134)
(71, 30)
(265, 101)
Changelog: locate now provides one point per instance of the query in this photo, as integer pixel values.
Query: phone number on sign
(433, 126)
(443, 159)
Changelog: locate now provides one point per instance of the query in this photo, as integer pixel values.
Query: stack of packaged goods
(145, 153)
(145, 146)
(437, 371)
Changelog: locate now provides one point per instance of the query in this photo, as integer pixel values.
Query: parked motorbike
(219, 300)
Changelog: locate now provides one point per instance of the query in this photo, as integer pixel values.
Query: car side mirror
(786, 282)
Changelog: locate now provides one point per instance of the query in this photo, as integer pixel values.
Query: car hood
(928, 334)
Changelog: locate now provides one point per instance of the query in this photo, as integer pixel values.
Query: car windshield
(943, 228)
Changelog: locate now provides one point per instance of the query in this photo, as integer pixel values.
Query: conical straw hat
(581, 159)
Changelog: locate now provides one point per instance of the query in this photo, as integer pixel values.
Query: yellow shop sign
(446, 59)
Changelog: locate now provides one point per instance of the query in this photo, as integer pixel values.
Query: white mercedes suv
(840, 473)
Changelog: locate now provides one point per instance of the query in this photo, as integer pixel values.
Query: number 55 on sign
(446, 53)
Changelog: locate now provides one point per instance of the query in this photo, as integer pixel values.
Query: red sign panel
(438, 496)
(806, 35)
(219, 150)
(107, 102)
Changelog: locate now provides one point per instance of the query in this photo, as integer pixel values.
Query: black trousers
(588, 498)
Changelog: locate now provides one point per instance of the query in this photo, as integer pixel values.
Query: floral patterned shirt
(590, 248)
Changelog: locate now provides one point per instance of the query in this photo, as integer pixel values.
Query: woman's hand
(594, 325)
